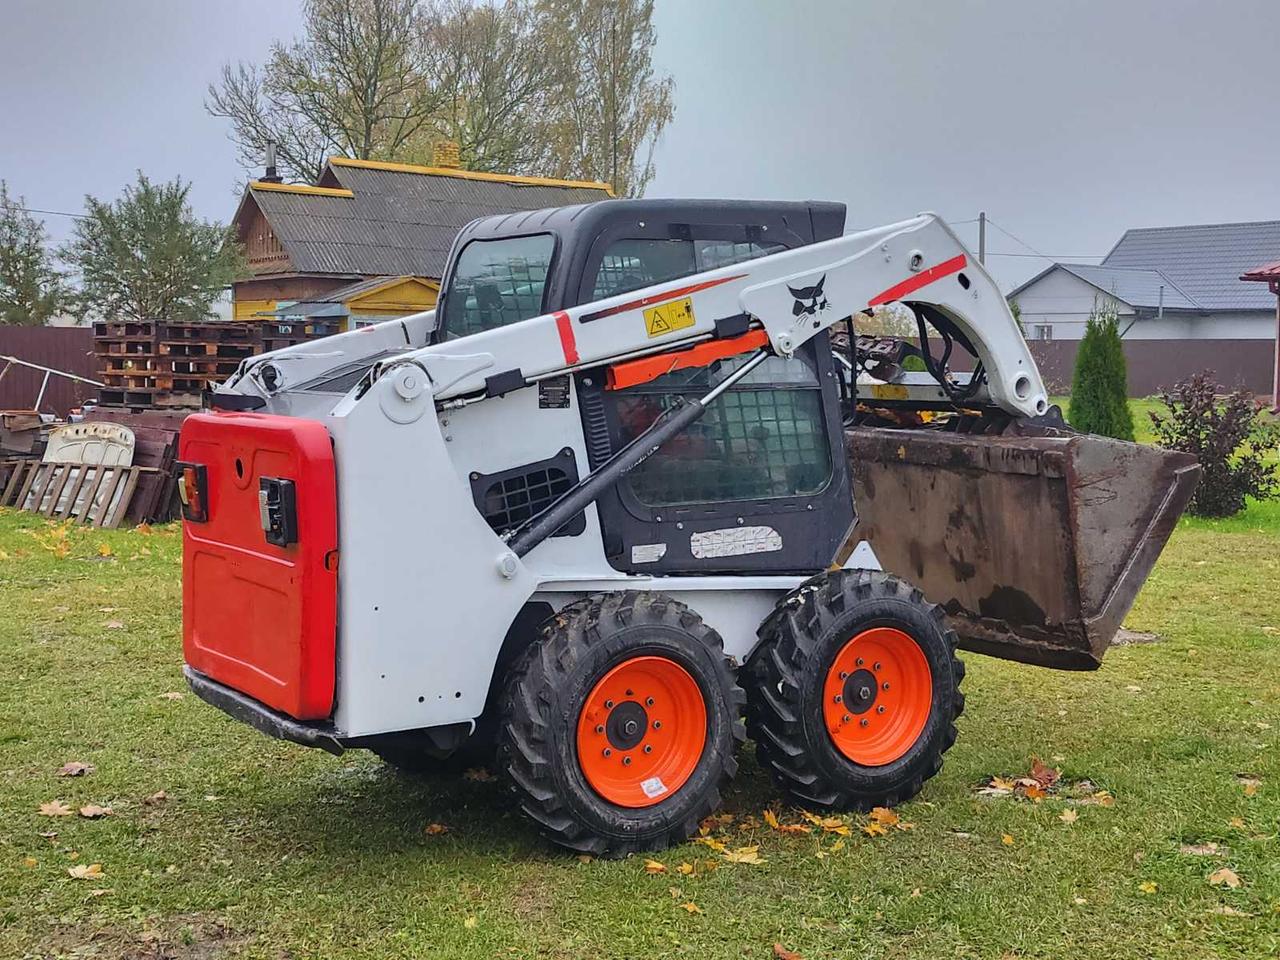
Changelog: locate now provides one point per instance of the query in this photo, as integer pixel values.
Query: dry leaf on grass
(1148, 887)
(1006, 839)
(55, 808)
(435, 829)
(1069, 816)
(1229, 911)
(104, 550)
(114, 624)
(172, 695)
(782, 953)
(156, 798)
(690, 907)
(30, 862)
(470, 923)
(1044, 775)
(1236, 823)
(585, 858)
(874, 829)
(92, 811)
(86, 871)
(685, 868)
(774, 823)
(654, 866)
(1224, 877)
(749, 855)
(75, 768)
(884, 816)
(1209, 849)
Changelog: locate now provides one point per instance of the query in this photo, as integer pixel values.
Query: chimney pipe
(270, 176)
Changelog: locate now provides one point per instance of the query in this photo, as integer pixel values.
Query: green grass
(264, 849)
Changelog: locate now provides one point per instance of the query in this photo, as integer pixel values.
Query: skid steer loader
(601, 502)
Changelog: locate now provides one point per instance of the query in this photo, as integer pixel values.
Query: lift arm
(793, 295)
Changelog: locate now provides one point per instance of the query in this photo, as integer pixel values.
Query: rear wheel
(854, 691)
(620, 724)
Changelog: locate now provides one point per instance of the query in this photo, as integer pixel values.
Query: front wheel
(853, 692)
(620, 724)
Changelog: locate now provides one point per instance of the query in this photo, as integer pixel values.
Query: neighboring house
(367, 220)
(1181, 302)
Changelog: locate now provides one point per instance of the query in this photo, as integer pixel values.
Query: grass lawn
(264, 849)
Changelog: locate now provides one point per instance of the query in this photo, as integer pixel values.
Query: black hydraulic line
(669, 423)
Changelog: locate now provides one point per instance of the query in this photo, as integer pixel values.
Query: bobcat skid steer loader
(618, 489)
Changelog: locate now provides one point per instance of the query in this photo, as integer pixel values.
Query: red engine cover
(258, 617)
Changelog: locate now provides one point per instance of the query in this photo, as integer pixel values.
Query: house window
(1043, 331)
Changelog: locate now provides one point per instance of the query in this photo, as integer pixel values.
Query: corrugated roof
(1136, 286)
(358, 289)
(1205, 260)
(397, 222)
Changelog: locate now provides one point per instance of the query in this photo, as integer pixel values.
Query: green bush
(1099, 388)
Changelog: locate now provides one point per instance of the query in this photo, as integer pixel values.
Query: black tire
(547, 687)
(785, 689)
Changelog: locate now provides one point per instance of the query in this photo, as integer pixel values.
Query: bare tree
(611, 108)
(355, 86)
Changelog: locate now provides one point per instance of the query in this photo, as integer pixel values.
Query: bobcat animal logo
(809, 300)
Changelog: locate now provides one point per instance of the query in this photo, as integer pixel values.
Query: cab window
(496, 283)
(631, 263)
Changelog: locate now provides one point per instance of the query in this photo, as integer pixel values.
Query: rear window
(630, 264)
(496, 283)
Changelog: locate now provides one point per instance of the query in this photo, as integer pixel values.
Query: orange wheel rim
(641, 731)
(877, 696)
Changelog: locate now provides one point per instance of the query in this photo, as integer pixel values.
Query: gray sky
(1066, 121)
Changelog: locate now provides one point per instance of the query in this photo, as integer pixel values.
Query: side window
(632, 263)
(496, 283)
(765, 437)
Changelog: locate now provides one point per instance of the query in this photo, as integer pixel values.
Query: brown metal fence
(62, 348)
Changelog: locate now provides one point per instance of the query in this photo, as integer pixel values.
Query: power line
(1034, 252)
(50, 213)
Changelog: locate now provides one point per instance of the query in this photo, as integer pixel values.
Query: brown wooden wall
(1156, 365)
(63, 348)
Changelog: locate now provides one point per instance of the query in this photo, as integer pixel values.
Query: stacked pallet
(157, 364)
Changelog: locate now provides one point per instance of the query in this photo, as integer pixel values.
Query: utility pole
(982, 237)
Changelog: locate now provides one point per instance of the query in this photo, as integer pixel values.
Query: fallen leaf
(1224, 877)
(1006, 839)
(86, 871)
(1229, 911)
(1000, 783)
(1044, 775)
(1236, 822)
(655, 866)
(1035, 792)
(874, 830)
(470, 923)
(716, 845)
(782, 953)
(104, 550)
(685, 868)
(55, 808)
(173, 695)
(1133, 688)
(144, 529)
(690, 907)
(885, 816)
(1068, 816)
(1147, 886)
(749, 855)
(1209, 849)
(585, 858)
(92, 811)
(838, 845)
(75, 768)
(435, 829)
(771, 819)
(114, 624)
(477, 775)
(1079, 901)
(915, 892)
(156, 798)
(50, 835)
(30, 862)
(100, 891)
(829, 824)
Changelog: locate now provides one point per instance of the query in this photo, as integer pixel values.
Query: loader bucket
(1035, 545)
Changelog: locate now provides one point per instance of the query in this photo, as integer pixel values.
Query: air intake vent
(508, 499)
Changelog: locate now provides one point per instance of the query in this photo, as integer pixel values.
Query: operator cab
(760, 484)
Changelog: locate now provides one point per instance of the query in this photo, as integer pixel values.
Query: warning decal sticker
(668, 317)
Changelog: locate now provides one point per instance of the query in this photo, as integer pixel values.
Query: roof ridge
(304, 188)
(1169, 280)
(1201, 226)
(513, 178)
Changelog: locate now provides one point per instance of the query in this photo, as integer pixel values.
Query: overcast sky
(1066, 121)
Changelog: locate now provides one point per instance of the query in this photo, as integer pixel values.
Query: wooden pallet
(95, 495)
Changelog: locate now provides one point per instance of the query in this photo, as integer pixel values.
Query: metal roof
(1205, 261)
(1136, 286)
(398, 222)
(358, 289)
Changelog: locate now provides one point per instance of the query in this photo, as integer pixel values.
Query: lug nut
(657, 724)
(608, 752)
(599, 728)
(877, 666)
(609, 704)
(861, 661)
(864, 722)
(846, 719)
(649, 702)
(648, 748)
(837, 698)
(885, 685)
(629, 693)
(844, 674)
(626, 761)
(880, 709)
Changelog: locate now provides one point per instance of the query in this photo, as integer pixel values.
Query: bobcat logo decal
(809, 300)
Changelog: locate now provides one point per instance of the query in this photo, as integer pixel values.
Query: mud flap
(1035, 545)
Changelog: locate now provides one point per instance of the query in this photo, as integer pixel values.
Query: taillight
(193, 491)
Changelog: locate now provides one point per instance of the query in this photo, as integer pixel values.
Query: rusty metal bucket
(1035, 545)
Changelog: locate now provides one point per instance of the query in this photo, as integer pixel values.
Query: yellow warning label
(666, 317)
(889, 391)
